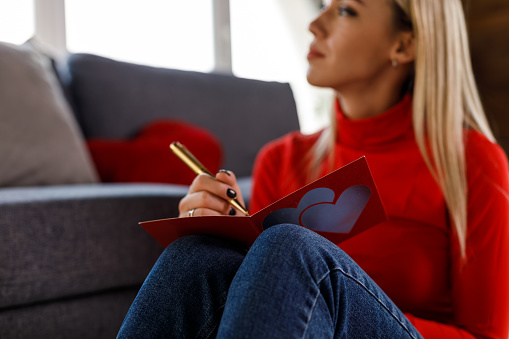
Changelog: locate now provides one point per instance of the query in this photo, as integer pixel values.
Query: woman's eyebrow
(359, 1)
(328, 2)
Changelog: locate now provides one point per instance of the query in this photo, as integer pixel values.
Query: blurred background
(262, 39)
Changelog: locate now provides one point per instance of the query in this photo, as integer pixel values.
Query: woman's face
(352, 44)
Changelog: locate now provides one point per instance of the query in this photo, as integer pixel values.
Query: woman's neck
(368, 99)
(366, 105)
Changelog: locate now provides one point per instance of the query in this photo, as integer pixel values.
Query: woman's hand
(209, 196)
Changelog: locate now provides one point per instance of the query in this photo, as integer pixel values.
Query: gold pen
(194, 164)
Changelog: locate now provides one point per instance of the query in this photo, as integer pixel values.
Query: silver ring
(190, 213)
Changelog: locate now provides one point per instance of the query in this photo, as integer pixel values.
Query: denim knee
(295, 238)
(280, 282)
(296, 232)
(287, 243)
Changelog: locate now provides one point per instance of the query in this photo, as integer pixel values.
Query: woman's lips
(314, 54)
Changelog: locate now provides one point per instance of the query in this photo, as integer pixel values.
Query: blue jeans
(292, 283)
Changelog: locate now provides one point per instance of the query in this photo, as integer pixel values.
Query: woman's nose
(317, 26)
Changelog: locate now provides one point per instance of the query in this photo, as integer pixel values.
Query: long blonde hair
(445, 100)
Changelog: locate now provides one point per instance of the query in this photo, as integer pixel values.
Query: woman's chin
(316, 82)
(316, 79)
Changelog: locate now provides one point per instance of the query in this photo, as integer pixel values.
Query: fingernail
(232, 211)
(225, 171)
(231, 193)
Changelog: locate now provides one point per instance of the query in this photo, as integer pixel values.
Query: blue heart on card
(318, 211)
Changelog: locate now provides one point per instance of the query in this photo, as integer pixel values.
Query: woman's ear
(404, 48)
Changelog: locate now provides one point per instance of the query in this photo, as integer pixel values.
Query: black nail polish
(225, 171)
(231, 193)
(232, 211)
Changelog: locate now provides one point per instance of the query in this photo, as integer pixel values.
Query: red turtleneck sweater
(414, 256)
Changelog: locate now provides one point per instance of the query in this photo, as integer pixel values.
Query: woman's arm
(278, 169)
(480, 283)
(265, 177)
(431, 329)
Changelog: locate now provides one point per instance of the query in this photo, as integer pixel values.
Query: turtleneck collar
(389, 126)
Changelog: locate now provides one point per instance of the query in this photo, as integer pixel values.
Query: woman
(438, 268)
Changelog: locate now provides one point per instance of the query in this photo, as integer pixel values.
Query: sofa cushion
(95, 315)
(66, 241)
(115, 99)
(40, 142)
(147, 157)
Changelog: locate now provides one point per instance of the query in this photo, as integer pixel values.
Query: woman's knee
(294, 238)
(287, 242)
(199, 254)
(287, 233)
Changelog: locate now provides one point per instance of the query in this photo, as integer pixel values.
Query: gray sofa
(73, 257)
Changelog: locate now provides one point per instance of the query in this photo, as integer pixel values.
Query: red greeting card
(336, 206)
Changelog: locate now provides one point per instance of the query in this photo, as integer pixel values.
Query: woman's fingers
(229, 178)
(222, 189)
(201, 212)
(211, 195)
(203, 202)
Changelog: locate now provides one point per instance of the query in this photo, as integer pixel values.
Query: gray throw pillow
(40, 142)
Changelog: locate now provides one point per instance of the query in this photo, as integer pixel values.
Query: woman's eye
(345, 11)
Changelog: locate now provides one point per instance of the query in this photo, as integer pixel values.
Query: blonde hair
(445, 101)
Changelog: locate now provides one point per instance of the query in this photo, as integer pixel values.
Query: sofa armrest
(73, 240)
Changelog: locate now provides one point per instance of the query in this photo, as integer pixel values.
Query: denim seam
(365, 288)
(314, 304)
(379, 301)
(210, 326)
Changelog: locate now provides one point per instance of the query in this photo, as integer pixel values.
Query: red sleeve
(480, 285)
(279, 167)
(265, 175)
(431, 329)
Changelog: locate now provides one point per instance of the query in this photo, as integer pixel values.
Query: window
(173, 34)
(269, 38)
(270, 41)
(16, 20)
